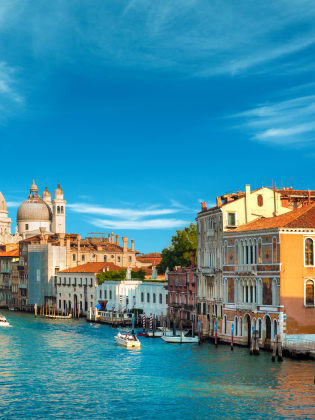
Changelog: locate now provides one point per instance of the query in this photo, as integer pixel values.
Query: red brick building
(182, 294)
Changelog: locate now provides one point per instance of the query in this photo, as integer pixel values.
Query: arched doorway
(248, 325)
(268, 332)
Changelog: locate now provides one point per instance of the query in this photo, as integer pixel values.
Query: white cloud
(132, 214)
(289, 122)
(13, 203)
(10, 99)
(146, 217)
(139, 224)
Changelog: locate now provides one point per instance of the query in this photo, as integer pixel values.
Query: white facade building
(75, 290)
(150, 296)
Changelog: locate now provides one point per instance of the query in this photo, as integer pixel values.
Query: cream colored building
(5, 225)
(231, 211)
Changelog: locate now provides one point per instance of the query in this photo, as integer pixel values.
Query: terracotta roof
(12, 253)
(302, 218)
(93, 267)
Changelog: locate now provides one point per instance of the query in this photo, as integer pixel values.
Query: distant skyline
(141, 110)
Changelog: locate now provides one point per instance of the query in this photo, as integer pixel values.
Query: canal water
(62, 369)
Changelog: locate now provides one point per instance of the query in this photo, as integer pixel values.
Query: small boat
(12, 308)
(3, 321)
(180, 339)
(128, 340)
(154, 334)
(142, 334)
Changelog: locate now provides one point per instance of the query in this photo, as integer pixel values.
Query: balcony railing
(246, 269)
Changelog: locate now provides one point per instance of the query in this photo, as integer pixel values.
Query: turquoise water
(62, 369)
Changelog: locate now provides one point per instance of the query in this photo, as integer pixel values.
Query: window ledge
(309, 306)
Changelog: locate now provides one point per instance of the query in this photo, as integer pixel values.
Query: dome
(3, 204)
(34, 209)
(46, 194)
(58, 192)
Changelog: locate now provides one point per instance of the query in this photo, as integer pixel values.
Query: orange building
(269, 279)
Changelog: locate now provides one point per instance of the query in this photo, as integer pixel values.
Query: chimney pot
(203, 206)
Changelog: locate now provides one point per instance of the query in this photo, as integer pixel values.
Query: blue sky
(142, 109)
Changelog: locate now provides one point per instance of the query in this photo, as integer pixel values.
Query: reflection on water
(62, 369)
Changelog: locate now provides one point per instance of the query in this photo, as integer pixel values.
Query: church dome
(3, 204)
(34, 209)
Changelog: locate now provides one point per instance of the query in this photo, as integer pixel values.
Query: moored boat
(128, 340)
(3, 321)
(180, 339)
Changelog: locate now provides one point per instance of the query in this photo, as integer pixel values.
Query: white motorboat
(128, 340)
(180, 339)
(3, 321)
(160, 333)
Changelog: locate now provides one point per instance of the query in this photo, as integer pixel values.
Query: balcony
(208, 271)
(188, 307)
(246, 306)
(246, 269)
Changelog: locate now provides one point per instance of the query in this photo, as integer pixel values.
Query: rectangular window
(26, 226)
(105, 294)
(110, 294)
(160, 297)
(83, 257)
(148, 297)
(73, 257)
(142, 297)
(154, 298)
(100, 293)
(231, 219)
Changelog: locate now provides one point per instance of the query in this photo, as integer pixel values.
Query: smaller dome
(58, 192)
(46, 194)
(3, 204)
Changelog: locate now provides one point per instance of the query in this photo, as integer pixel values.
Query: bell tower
(59, 212)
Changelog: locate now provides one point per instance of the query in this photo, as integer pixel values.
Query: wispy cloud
(139, 224)
(290, 122)
(10, 99)
(13, 203)
(132, 218)
(132, 214)
(195, 37)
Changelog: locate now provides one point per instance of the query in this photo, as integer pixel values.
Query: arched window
(225, 326)
(309, 257)
(58, 210)
(62, 210)
(148, 297)
(259, 251)
(275, 328)
(160, 297)
(259, 328)
(225, 253)
(274, 250)
(260, 200)
(309, 293)
(154, 298)
(241, 327)
(236, 253)
(236, 326)
(105, 258)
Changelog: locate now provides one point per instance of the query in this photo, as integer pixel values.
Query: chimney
(247, 205)
(203, 206)
(112, 241)
(125, 239)
(219, 202)
(117, 239)
(132, 244)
